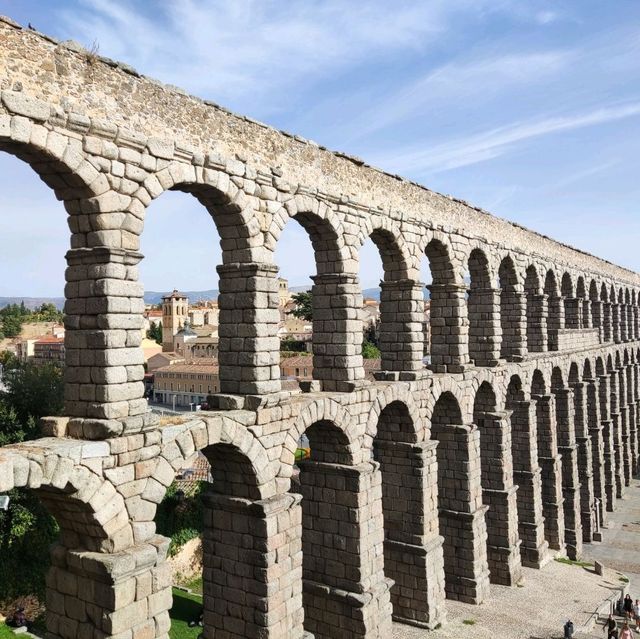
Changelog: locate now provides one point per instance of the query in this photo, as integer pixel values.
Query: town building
(175, 312)
(187, 383)
(48, 349)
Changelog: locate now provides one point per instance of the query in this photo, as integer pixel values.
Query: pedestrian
(628, 606)
(611, 628)
(636, 613)
(626, 632)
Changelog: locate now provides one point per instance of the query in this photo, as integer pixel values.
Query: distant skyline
(530, 110)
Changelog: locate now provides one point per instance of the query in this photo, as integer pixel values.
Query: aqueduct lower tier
(424, 485)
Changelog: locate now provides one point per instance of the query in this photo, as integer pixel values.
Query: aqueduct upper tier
(428, 483)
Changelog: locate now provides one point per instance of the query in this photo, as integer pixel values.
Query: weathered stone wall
(424, 484)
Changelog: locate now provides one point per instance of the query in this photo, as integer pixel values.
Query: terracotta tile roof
(199, 365)
(50, 339)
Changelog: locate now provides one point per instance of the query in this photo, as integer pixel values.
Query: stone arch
(483, 311)
(538, 384)
(555, 319)
(230, 208)
(326, 233)
(388, 239)
(536, 312)
(542, 393)
(323, 411)
(412, 548)
(60, 161)
(615, 314)
(246, 273)
(461, 514)
(338, 486)
(596, 311)
(91, 513)
(57, 159)
(449, 344)
(401, 300)
(498, 492)
(512, 312)
(230, 448)
(574, 374)
(397, 395)
(337, 296)
(526, 473)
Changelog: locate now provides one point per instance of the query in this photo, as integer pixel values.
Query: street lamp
(4, 502)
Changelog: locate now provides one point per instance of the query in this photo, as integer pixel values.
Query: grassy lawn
(5, 632)
(186, 608)
(195, 585)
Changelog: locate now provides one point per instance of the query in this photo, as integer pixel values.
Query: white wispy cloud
(496, 142)
(457, 81)
(250, 47)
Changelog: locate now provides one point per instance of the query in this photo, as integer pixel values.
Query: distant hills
(155, 297)
(32, 302)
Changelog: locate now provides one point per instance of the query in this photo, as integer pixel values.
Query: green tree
(12, 325)
(303, 305)
(370, 351)
(8, 360)
(48, 313)
(35, 390)
(155, 332)
(26, 528)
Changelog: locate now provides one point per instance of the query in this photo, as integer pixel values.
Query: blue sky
(530, 109)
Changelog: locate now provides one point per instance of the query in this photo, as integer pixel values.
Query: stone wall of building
(423, 484)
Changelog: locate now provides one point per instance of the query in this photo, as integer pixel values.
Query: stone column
(555, 320)
(499, 494)
(527, 476)
(550, 463)
(630, 429)
(586, 314)
(607, 441)
(401, 315)
(622, 319)
(636, 323)
(597, 447)
(625, 443)
(585, 461)
(637, 458)
(337, 331)
(104, 372)
(607, 321)
(570, 482)
(252, 567)
(616, 432)
(597, 319)
(615, 322)
(345, 592)
(537, 312)
(485, 333)
(449, 328)
(572, 312)
(462, 514)
(413, 556)
(125, 594)
(513, 311)
(248, 347)
(630, 324)
(633, 437)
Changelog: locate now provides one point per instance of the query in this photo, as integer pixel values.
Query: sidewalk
(538, 609)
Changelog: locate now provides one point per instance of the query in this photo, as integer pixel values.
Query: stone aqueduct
(423, 485)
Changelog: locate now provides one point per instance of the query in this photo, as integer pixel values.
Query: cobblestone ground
(537, 610)
(549, 596)
(620, 547)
